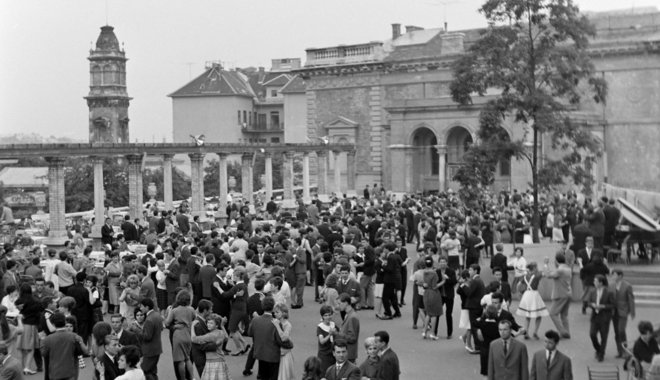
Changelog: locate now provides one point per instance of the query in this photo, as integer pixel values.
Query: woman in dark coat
(488, 331)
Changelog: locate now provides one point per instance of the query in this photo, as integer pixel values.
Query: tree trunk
(535, 188)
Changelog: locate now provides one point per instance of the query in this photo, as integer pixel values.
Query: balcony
(263, 128)
(344, 54)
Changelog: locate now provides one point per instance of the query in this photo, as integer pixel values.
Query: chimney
(412, 28)
(396, 31)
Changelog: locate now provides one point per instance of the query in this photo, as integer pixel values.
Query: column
(99, 204)
(197, 184)
(56, 202)
(287, 176)
(134, 171)
(337, 174)
(246, 178)
(322, 173)
(269, 176)
(140, 193)
(350, 172)
(409, 169)
(167, 181)
(222, 208)
(442, 166)
(306, 196)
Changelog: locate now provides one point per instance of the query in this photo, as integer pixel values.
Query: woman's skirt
(557, 235)
(432, 303)
(464, 321)
(29, 340)
(113, 292)
(378, 290)
(287, 367)
(161, 299)
(215, 369)
(531, 305)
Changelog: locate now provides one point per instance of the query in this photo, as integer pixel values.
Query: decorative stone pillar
(442, 166)
(322, 173)
(56, 202)
(350, 170)
(222, 208)
(287, 176)
(409, 169)
(269, 176)
(337, 178)
(306, 197)
(99, 204)
(167, 181)
(134, 188)
(246, 177)
(197, 184)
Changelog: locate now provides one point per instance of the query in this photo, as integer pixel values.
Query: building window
(273, 93)
(250, 118)
(261, 122)
(275, 140)
(505, 167)
(244, 117)
(274, 120)
(239, 117)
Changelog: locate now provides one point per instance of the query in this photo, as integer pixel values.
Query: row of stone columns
(57, 233)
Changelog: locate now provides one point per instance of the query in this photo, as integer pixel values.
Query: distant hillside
(35, 138)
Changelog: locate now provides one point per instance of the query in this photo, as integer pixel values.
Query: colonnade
(57, 233)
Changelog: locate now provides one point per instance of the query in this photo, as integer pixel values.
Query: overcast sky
(44, 72)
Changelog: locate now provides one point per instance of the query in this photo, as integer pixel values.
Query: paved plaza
(425, 359)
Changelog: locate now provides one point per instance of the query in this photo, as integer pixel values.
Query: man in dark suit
(266, 341)
(391, 281)
(152, 345)
(207, 276)
(389, 362)
(350, 327)
(83, 309)
(129, 230)
(587, 254)
(172, 274)
(497, 300)
(254, 310)
(198, 351)
(107, 232)
(109, 360)
(475, 291)
(342, 369)
(183, 222)
(448, 291)
(507, 357)
(11, 368)
(505, 287)
(612, 216)
(126, 338)
(550, 364)
(580, 233)
(601, 301)
(596, 219)
(500, 261)
(624, 306)
(60, 350)
(147, 287)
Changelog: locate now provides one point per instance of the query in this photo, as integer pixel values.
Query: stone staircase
(646, 287)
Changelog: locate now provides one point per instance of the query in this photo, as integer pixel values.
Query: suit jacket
(151, 332)
(198, 351)
(511, 366)
(352, 288)
(474, 292)
(624, 299)
(500, 261)
(509, 317)
(559, 369)
(60, 350)
(130, 231)
(348, 371)
(389, 366)
(582, 254)
(448, 290)
(606, 300)
(12, 370)
(350, 331)
(148, 290)
(206, 276)
(107, 234)
(265, 338)
(612, 216)
(184, 223)
(110, 368)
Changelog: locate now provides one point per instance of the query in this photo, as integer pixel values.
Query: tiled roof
(216, 82)
(295, 85)
(279, 80)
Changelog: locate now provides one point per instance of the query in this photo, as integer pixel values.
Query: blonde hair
(370, 341)
(283, 309)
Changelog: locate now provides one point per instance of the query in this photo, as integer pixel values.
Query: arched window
(107, 75)
(97, 75)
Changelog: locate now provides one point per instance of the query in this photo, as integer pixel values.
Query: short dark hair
(560, 258)
(552, 335)
(148, 302)
(497, 269)
(131, 354)
(476, 268)
(267, 304)
(601, 278)
(326, 309)
(58, 320)
(259, 284)
(497, 296)
(340, 343)
(345, 297)
(645, 327)
(505, 322)
(383, 336)
(204, 305)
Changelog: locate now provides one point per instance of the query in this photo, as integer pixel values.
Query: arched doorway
(425, 160)
(459, 141)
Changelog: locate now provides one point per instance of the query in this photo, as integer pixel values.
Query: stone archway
(459, 140)
(425, 160)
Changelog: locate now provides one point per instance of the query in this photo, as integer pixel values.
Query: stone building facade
(108, 100)
(392, 100)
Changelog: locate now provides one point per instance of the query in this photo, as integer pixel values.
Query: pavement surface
(426, 359)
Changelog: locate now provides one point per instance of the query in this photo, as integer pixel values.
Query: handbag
(287, 344)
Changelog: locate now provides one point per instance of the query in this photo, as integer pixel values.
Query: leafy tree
(180, 184)
(535, 53)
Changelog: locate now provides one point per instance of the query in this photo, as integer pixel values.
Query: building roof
(279, 80)
(24, 176)
(107, 39)
(295, 85)
(216, 82)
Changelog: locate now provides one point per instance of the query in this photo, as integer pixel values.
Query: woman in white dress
(519, 264)
(129, 357)
(531, 304)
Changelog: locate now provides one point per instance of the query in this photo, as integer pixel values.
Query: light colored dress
(114, 274)
(531, 304)
(133, 374)
(287, 366)
(215, 368)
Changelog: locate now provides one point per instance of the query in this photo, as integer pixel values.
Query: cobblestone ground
(425, 359)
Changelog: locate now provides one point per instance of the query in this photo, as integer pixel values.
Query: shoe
(433, 337)
(448, 336)
(384, 317)
(296, 306)
(397, 315)
(247, 349)
(526, 336)
(247, 372)
(424, 335)
(27, 371)
(414, 327)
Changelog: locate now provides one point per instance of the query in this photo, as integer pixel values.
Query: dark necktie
(337, 371)
(506, 347)
(547, 364)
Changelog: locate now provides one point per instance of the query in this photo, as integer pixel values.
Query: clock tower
(108, 100)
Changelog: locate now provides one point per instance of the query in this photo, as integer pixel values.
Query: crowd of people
(228, 289)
